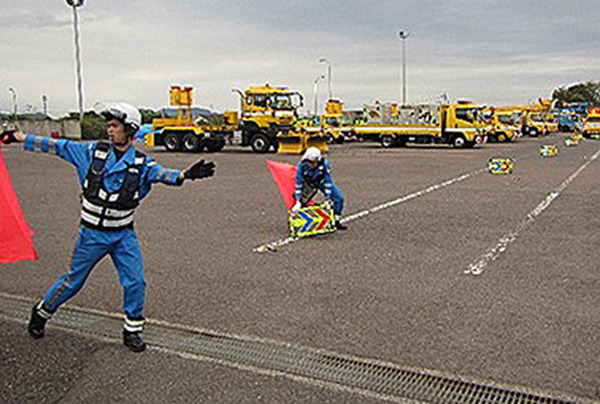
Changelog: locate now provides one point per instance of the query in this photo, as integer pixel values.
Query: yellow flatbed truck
(458, 125)
(184, 132)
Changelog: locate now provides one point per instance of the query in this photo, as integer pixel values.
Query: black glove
(8, 137)
(200, 170)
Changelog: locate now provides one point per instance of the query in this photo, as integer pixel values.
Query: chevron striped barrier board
(571, 141)
(548, 150)
(312, 220)
(501, 165)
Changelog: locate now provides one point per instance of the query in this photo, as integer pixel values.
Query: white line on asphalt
(492, 253)
(273, 246)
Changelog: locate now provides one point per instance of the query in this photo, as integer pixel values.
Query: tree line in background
(588, 91)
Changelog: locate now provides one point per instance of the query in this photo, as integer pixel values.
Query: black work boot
(338, 223)
(37, 322)
(134, 341)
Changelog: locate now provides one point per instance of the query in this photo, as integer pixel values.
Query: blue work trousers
(93, 245)
(337, 198)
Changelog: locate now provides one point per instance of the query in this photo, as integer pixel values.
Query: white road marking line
(492, 253)
(273, 246)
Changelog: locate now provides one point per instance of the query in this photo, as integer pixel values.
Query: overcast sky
(488, 51)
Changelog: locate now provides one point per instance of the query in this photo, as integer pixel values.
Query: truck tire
(260, 143)
(388, 141)
(533, 132)
(173, 142)
(215, 145)
(191, 143)
(459, 141)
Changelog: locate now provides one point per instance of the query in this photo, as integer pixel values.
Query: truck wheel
(459, 141)
(191, 143)
(533, 132)
(502, 137)
(215, 145)
(388, 141)
(260, 143)
(173, 142)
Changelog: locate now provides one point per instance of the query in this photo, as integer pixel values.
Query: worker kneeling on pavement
(313, 175)
(114, 178)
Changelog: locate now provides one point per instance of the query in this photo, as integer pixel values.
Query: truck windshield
(506, 119)
(536, 118)
(470, 114)
(332, 121)
(284, 101)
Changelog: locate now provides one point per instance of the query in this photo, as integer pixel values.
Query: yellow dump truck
(459, 125)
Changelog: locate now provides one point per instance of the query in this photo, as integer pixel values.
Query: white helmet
(312, 154)
(127, 114)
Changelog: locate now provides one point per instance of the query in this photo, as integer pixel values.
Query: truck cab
(591, 125)
(462, 125)
(265, 112)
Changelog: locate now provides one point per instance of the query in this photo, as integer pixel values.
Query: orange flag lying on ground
(15, 235)
(284, 175)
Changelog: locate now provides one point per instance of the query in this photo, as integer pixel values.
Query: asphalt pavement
(393, 287)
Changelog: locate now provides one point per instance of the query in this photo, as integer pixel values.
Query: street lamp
(403, 36)
(316, 82)
(323, 60)
(74, 4)
(14, 97)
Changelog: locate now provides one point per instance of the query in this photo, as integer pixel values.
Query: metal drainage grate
(367, 376)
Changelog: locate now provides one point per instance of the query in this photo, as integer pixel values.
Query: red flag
(15, 234)
(284, 175)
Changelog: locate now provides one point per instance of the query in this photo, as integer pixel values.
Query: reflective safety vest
(316, 179)
(106, 211)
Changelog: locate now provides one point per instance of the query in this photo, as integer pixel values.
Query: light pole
(323, 60)
(14, 97)
(74, 4)
(45, 104)
(403, 36)
(316, 83)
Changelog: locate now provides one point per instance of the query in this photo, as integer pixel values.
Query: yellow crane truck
(459, 125)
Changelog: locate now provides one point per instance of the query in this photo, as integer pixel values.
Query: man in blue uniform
(114, 177)
(313, 175)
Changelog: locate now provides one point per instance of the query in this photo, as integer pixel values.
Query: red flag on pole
(284, 175)
(15, 235)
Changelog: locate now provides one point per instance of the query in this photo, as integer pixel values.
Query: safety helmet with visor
(127, 114)
(312, 154)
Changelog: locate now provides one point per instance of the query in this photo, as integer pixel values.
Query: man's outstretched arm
(75, 153)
